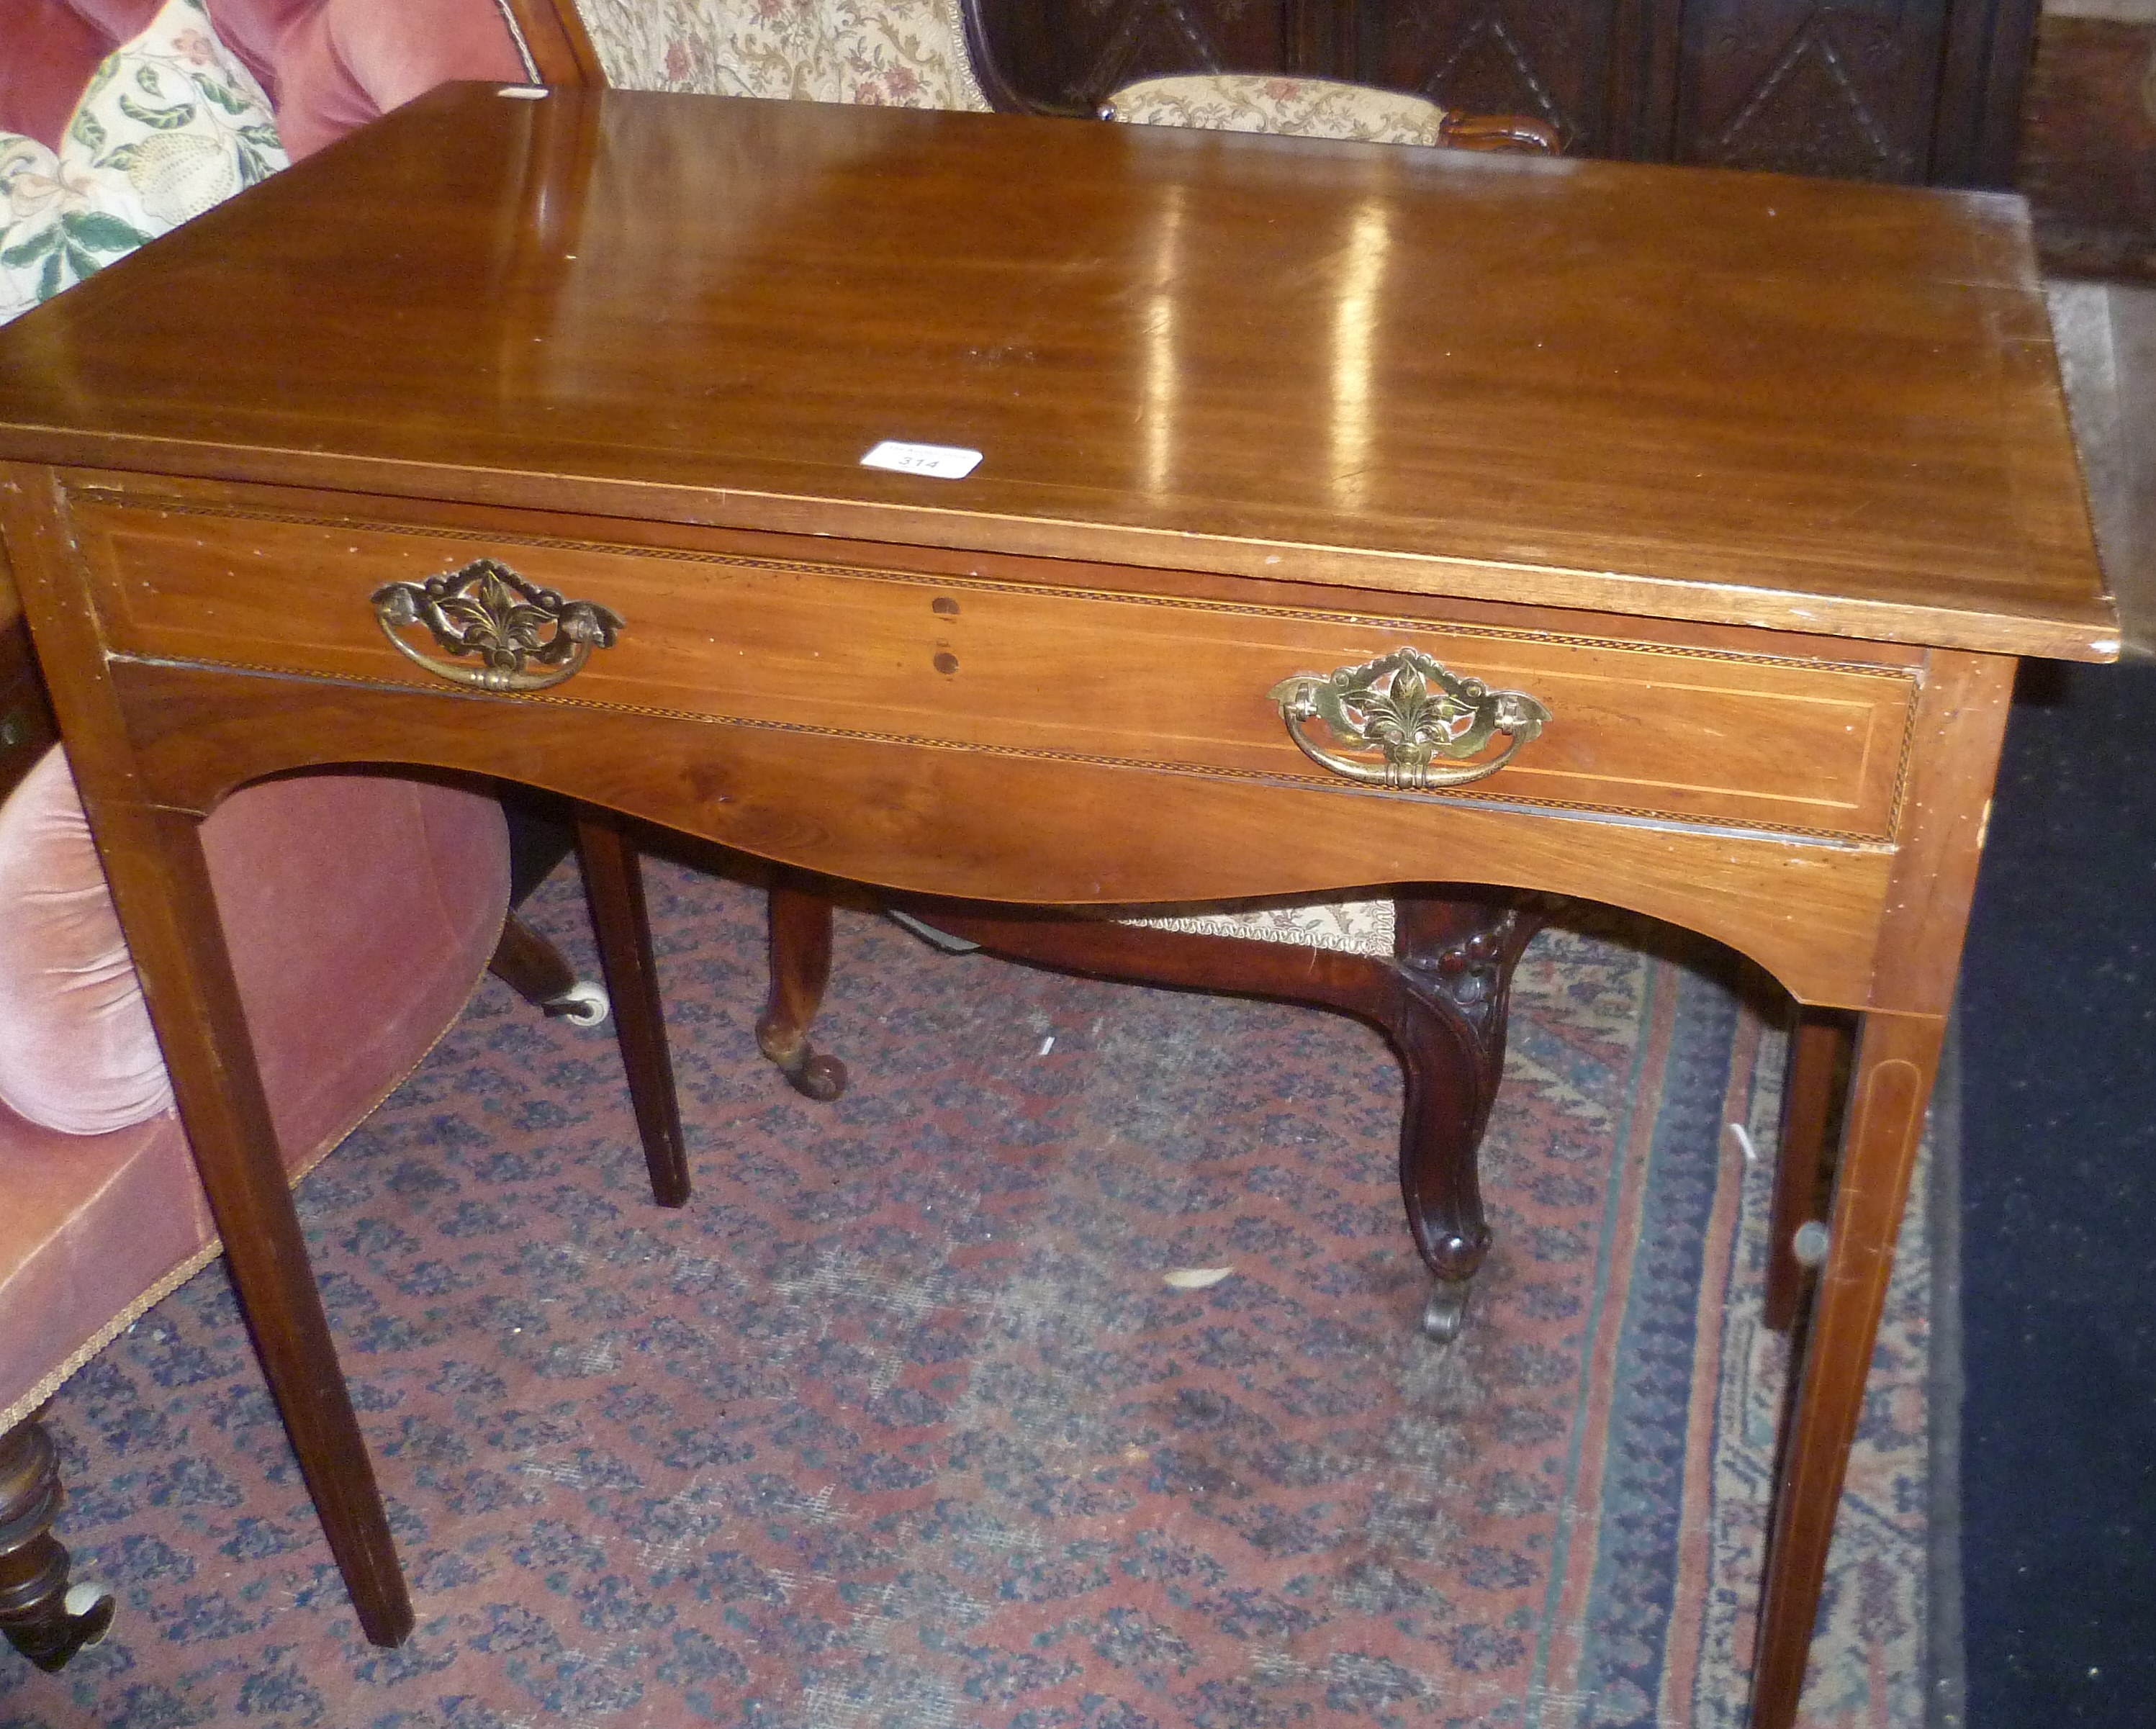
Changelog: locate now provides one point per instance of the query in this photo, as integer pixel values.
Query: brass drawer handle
(526, 637)
(1410, 709)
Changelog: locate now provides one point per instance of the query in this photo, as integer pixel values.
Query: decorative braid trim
(968, 80)
(516, 35)
(27, 1405)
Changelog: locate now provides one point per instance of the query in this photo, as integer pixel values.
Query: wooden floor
(2107, 339)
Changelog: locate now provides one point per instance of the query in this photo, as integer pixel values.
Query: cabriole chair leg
(800, 968)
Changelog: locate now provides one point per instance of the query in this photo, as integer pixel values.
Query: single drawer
(1636, 729)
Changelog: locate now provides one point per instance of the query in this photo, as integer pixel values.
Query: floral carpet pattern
(898, 1424)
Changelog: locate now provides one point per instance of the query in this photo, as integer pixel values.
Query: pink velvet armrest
(350, 961)
(328, 65)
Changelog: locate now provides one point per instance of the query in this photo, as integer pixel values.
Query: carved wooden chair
(1317, 108)
(1431, 971)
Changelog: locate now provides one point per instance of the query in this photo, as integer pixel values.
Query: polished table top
(1732, 398)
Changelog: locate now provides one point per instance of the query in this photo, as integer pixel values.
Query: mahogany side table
(1343, 517)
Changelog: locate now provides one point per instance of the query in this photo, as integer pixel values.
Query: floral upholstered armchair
(1432, 971)
(897, 53)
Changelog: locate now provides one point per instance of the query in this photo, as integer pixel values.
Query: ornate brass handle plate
(524, 637)
(1411, 711)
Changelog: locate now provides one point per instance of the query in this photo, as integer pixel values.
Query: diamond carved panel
(1544, 58)
(1873, 89)
(1849, 91)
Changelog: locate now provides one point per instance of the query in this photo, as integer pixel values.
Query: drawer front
(1637, 730)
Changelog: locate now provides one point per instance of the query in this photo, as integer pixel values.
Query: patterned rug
(901, 1423)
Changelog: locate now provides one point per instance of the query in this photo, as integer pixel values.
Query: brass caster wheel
(85, 1616)
(584, 1004)
(821, 1078)
(808, 1071)
(1446, 1309)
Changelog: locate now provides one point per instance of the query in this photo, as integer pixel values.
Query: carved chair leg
(1441, 999)
(1454, 959)
(45, 1617)
(535, 969)
(800, 968)
(1804, 1166)
(613, 886)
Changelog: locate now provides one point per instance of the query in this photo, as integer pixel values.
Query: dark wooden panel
(1977, 127)
(1846, 90)
(1549, 58)
(1059, 55)
(1876, 90)
(2088, 155)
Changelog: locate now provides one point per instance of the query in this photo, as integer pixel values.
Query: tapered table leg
(1897, 1058)
(153, 858)
(614, 886)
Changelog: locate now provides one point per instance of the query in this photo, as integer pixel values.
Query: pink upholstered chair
(350, 958)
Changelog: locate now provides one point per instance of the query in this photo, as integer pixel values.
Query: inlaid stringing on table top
(1759, 484)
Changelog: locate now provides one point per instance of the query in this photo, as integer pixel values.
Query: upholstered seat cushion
(895, 54)
(76, 1051)
(1294, 107)
(170, 123)
(332, 65)
(351, 960)
(1354, 928)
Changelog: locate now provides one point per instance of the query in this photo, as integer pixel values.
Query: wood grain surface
(1686, 394)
